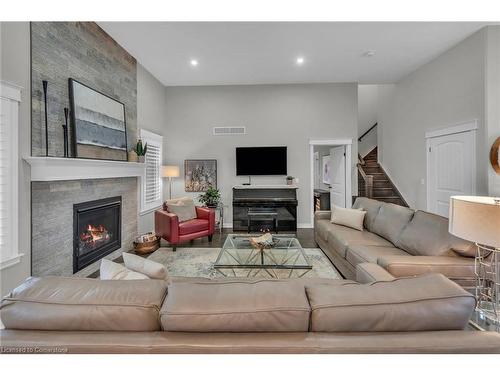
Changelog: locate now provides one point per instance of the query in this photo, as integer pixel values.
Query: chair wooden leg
(210, 238)
(174, 248)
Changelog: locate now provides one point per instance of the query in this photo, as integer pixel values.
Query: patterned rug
(199, 262)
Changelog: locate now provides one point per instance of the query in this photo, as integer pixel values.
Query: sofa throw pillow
(348, 217)
(174, 201)
(184, 208)
(113, 271)
(151, 269)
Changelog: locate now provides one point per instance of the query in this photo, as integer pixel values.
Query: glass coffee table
(238, 258)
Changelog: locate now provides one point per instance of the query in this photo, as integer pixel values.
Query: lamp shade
(170, 171)
(476, 219)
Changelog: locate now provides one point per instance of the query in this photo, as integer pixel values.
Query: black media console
(281, 198)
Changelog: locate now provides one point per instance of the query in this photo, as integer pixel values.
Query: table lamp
(170, 171)
(477, 219)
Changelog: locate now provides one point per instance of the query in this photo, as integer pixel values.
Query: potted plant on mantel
(141, 150)
(211, 198)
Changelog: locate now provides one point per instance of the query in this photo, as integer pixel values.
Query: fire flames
(94, 235)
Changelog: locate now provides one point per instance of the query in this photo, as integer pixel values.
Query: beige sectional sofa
(426, 314)
(402, 241)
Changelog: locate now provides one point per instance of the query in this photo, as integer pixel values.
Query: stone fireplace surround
(58, 184)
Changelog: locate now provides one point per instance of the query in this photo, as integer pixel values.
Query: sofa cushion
(340, 237)
(109, 270)
(370, 272)
(322, 228)
(151, 269)
(369, 254)
(427, 234)
(77, 304)
(391, 220)
(193, 226)
(371, 206)
(244, 306)
(184, 208)
(348, 217)
(453, 267)
(427, 303)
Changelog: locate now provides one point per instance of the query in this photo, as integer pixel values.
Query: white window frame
(12, 95)
(157, 140)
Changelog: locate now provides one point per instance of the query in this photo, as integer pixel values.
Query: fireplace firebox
(96, 230)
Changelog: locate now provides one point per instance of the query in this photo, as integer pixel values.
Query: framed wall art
(325, 167)
(199, 175)
(98, 122)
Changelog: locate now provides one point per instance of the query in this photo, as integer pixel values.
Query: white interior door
(337, 176)
(451, 160)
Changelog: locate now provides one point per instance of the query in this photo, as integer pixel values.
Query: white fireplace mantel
(60, 169)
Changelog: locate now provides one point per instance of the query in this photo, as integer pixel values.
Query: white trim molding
(60, 169)
(11, 261)
(330, 142)
(457, 128)
(9, 158)
(10, 91)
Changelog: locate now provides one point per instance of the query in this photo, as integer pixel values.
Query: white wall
(151, 115)
(367, 117)
(15, 68)
(274, 115)
(446, 91)
(492, 102)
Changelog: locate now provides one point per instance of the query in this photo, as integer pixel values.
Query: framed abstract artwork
(199, 175)
(325, 167)
(98, 124)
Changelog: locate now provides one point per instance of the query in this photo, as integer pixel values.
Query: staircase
(374, 183)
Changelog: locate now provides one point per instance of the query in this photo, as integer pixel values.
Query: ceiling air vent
(229, 130)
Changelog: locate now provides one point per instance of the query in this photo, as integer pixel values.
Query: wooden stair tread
(382, 189)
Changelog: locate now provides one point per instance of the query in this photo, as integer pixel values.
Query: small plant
(289, 178)
(141, 150)
(211, 197)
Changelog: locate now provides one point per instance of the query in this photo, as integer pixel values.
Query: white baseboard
(305, 225)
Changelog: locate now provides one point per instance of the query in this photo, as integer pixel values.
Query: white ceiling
(259, 53)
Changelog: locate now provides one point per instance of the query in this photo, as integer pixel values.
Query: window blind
(152, 184)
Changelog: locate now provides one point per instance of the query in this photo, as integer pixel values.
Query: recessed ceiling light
(370, 53)
(193, 62)
(299, 60)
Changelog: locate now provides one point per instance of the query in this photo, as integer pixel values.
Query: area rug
(199, 262)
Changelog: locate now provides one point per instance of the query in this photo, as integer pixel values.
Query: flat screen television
(261, 161)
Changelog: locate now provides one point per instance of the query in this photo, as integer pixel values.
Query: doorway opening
(330, 166)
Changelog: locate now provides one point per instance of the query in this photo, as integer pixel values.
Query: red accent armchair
(167, 226)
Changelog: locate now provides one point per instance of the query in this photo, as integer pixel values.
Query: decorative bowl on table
(266, 241)
(147, 243)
